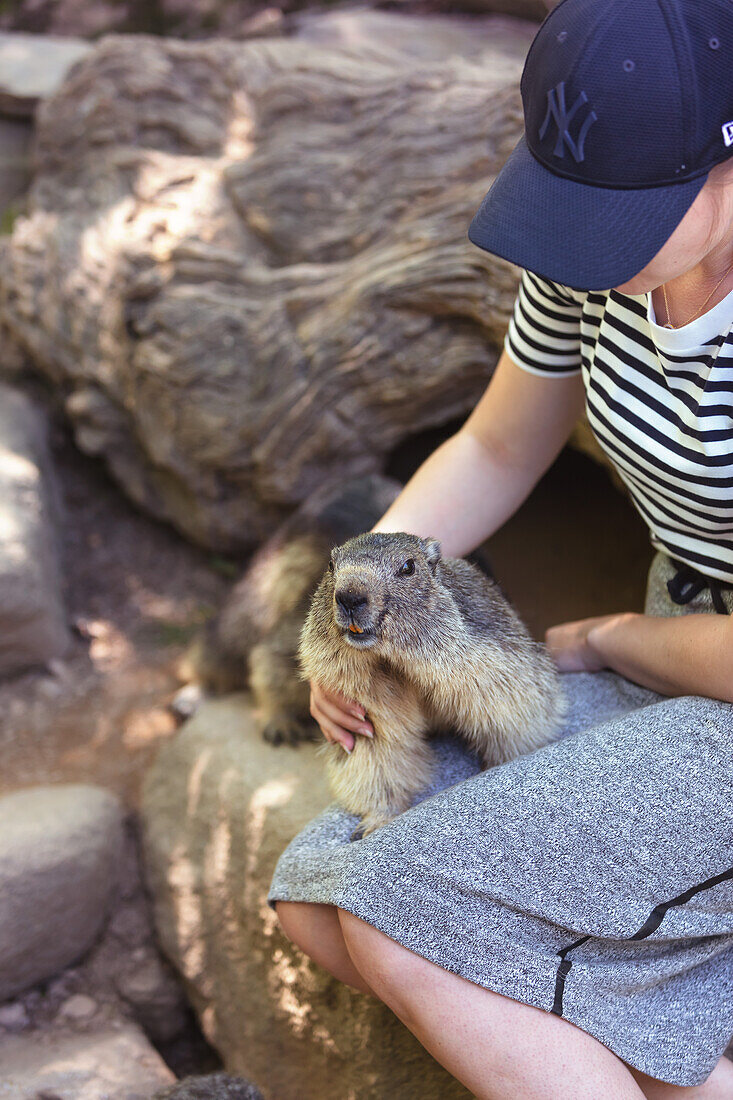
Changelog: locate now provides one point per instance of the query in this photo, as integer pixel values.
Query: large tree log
(209, 18)
(246, 265)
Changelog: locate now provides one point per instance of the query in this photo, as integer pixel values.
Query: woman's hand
(338, 716)
(571, 644)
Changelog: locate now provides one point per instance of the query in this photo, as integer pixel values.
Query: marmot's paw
(286, 729)
(369, 824)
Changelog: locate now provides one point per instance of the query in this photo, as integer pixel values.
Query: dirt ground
(136, 592)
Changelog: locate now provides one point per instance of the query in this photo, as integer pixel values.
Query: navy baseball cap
(628, 104)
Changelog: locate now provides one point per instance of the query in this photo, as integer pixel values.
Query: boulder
(246, 265)
(61, 847)
(218, 807)
(32, 622)
(104, 1063)
(32, 67)
(213, 1086)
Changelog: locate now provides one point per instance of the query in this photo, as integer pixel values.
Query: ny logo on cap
(728, 133)
(556, 108)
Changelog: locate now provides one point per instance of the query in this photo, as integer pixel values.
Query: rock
(213, 1086)
(61, 670)
(109, 1063)
(32, 623)
(130, 925)
(58, 863)
(15, 162)
(154, 997)
(219, 806)
(264, 274)
(122, 976)
(186, 701)
(32, 66)
(13, 1017)
(78, 1007)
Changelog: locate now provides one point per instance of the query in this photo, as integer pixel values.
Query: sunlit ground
(136, 592)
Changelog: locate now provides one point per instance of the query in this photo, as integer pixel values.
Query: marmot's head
(382, 587)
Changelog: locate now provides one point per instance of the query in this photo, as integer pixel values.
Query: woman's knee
(391, 970)
(307, 923)
(718, 1086)
(316, 930)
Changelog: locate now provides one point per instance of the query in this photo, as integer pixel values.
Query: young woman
(560, 927)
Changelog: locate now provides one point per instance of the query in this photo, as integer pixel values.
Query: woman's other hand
(571, 648)
(339, 718)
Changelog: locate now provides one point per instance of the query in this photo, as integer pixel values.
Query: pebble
(143, 983)
(78, 1007)
(186, 701)
(13, 1017)
(58, 668)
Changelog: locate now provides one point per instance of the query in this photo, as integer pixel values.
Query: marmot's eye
(407, 568)
(330, 565)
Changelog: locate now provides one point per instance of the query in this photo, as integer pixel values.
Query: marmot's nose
(351, 598)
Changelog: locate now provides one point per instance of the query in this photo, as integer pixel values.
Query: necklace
(669, 324)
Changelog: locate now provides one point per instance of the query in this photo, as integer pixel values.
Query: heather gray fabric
(531, 878)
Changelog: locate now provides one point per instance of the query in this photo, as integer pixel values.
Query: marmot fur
(253, 641)
(426, 644)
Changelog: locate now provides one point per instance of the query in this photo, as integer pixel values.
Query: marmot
(426, 644)
(253, 641)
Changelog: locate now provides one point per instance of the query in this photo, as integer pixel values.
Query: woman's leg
(531, 1053)
(497, 1047)
(653, 761)
(719, 1085)
(316, 930)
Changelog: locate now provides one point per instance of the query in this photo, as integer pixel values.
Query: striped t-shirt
(659, 401)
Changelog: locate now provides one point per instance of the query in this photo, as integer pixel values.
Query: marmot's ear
(432, 552)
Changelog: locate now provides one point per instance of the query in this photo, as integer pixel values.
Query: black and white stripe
(663, 417)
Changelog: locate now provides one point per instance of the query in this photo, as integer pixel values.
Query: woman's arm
(467, 487)
(478, 477)
(674, 655)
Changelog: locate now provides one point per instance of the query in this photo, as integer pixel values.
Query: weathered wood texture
(209, 18)
(245, 265)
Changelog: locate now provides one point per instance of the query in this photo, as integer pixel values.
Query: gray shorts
(592, 878)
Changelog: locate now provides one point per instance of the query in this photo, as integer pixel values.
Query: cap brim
(578, 235)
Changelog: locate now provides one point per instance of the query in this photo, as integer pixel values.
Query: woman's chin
(634, 286)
